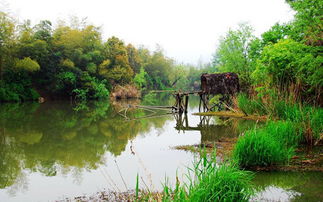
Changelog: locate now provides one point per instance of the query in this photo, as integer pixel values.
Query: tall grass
(308, 118)
(212, 182)
(271, 145)
(316, 122)
(251, 106)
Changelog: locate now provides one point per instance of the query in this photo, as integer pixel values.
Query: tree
(232, 55)
(308, 24)
(159, 69)
(134, 58)
(116, 67)
(140, 78)
(6, 40)
(27, 64)
(276, 33)
(289, 64)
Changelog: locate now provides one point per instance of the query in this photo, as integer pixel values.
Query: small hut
(225, 84)
(222, 83)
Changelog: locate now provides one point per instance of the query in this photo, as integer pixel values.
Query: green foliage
(212, 182)
(134, 58)
(271, 145)
(67, 63)
(232, 54)
(307, 117)
(140, 78)
(316, 122)
(73, 57)
(275, 34)
(159, 68)
(65, 82)
(117, 67)
(17, 87)
(307, 25)
(251, 106)
(27, 64)
(289, 62)
(80, 94)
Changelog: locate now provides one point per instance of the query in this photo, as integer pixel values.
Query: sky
(187, 30)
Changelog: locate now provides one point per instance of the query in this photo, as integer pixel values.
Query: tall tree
(232, 53)
(7, 28)
(308, 24)
(116, 67)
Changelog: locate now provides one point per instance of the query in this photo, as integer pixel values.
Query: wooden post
(200, 102)
(186, 103)
(186, 121)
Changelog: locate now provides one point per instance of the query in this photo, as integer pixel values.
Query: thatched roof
(222, 83)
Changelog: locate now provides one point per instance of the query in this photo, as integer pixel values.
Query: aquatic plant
(209, 181)
(273, 144)
(308, 118)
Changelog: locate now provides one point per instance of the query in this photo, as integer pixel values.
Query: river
(59, 150)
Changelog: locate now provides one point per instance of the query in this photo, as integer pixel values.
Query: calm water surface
(56, 150)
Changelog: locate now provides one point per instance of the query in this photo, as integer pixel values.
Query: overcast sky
(187, 30)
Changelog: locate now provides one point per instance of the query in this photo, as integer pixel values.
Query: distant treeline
(73, 61)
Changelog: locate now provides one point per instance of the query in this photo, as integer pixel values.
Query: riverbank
(305, 159)
(232, 115)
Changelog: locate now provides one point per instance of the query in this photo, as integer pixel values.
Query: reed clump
(309, 118)
(274, 144)
(209, 181)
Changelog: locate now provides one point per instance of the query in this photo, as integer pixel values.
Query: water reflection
(52, 137)
(212, 128)
(289, 186)
(46, 143)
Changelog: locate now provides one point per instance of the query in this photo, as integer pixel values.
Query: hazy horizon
(188, 31)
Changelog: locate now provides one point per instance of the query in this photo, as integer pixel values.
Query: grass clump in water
(212, 182)
(271, 145)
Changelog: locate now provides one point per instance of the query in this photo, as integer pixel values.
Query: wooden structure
(226, 84)
(222, 83)
(181, 101)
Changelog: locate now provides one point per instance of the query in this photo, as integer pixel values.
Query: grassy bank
(276, 142)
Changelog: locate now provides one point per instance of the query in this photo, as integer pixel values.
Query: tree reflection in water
(53, 137)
